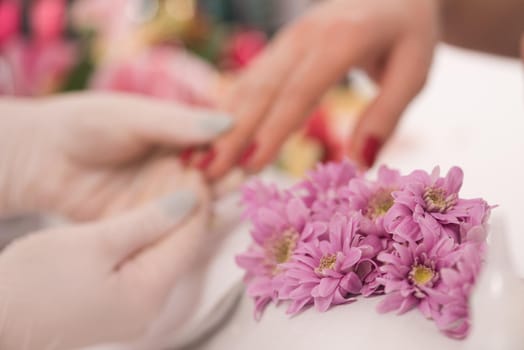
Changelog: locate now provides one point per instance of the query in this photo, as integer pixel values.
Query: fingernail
(216, 124)
(185, 155)
(179, 204)
(206, 160)
(370, 150)
(248, 153)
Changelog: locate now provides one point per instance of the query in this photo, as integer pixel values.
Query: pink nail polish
(248, 154)
(370, 150)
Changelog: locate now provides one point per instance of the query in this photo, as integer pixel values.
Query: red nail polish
(371, 148)
(185, 155)
(248, 153)
(207, 159)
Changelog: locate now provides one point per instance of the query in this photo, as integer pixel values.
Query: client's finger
(252, 96)
(404, 77)
(301, 93)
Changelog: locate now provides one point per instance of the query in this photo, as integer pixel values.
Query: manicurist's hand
(90, 155)
(103, 282)
(392, 39)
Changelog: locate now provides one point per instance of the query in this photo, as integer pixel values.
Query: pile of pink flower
(336, 236)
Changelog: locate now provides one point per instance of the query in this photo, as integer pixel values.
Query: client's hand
(392, 39)
(88, 155)
(101, 282)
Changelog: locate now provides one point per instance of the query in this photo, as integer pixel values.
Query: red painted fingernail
(248, 153)
(371, 148)
(207, 159)
(185, 155)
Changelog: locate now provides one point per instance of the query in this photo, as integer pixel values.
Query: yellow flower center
(437, 200)
(421, 275)
(326, 263)
(379, 204)
(280, 248)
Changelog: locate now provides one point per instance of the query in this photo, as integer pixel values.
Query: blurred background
(183, 50)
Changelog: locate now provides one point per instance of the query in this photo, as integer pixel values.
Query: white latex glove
(90, 155)
(102, 282)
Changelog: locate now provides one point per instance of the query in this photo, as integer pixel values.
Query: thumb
(124, 236)
(174, 124)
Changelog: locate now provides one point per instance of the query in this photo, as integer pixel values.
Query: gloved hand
(393, 40)
(101, 282)
(90, 155)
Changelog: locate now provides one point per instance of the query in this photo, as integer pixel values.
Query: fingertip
(186, 155)
(247, 155)
(365, 150)
(370, 150)
(216, 171)
(226, 157)
(206, 159)
(260, 159)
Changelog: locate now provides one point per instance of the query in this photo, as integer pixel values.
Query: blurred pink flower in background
(162, 72)
(34, 68)
(243, 47)
(38, 64)
(9, 20)
(48, 19)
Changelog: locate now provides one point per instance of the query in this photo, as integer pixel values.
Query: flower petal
(390, 302)
(297, 305)
(351, 283)
(323, 303)
(350, 260)
(454, 179)
(327, 286)
(297, 212)
(407, 304)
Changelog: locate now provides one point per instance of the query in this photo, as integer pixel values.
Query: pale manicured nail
(215, 124)
(179, 204)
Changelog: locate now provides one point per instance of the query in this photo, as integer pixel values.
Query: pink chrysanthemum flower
(372, 200)
(277, 231)
(257, 194)
(320, 191)
(428, 197)
(412, 271)
(473, 227)
(368, 267)
(455, 289)
(323, 272)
